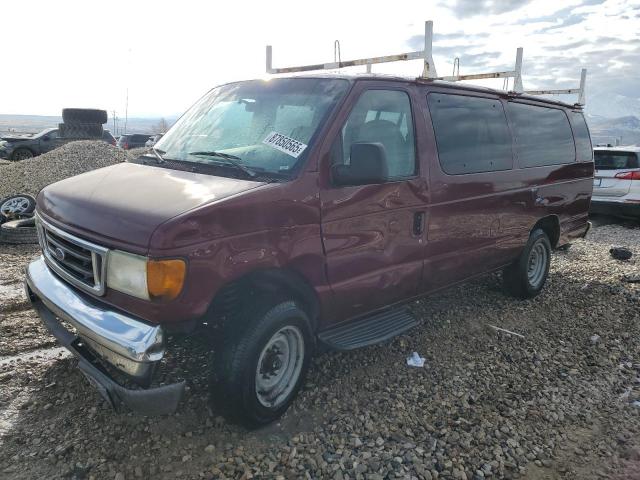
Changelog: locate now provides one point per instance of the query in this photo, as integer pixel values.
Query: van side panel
(477, 222)
(480, 222)
(566, 192)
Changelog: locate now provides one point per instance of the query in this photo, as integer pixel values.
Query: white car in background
(616, 182)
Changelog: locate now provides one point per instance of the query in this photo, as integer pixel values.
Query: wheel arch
(276, 282)
(550, 225)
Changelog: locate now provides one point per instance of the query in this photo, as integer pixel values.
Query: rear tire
(260, 369)
(81, 130)
(526, 277)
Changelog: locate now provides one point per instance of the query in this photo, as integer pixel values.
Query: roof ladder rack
(567, 91)
(429, 68)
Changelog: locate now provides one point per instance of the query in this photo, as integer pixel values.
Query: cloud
(558, 41)
(416, 42)
(470, 8)
(570, 45)
(572, 19)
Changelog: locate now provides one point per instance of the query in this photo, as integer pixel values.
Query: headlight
(143, 277)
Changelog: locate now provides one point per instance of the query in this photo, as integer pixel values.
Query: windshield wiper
(159, 158)
(156, 152)
(231, 160)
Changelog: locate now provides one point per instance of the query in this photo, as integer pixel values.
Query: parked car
(21, 147)
(107, 137)
(132, 140)
(283, 215)
(616, 184)
(153, 140)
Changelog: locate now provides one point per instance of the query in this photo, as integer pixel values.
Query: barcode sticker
(285, 144)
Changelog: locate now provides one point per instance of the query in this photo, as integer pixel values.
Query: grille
(79, 262)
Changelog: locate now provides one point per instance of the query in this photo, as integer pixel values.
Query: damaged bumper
(102, 334)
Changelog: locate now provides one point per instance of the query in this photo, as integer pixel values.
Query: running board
(369, 330)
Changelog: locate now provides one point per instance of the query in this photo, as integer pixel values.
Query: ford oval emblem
(57, 253)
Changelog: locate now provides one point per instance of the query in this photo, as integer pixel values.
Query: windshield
(44, 132)
(266, 126)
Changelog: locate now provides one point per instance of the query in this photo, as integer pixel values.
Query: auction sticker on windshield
(285, 144)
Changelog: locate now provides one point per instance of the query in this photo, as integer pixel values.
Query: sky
(169, 53)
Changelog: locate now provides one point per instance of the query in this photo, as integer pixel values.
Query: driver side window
(381, 116)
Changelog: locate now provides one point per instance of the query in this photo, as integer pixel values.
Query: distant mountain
(622, 130)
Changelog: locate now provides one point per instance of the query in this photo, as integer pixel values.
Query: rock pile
(32, 175)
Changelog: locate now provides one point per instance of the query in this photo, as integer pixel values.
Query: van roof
(424, 81)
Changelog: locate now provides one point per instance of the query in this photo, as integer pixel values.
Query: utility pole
(126, 112)
(126, 105)
(115, 128)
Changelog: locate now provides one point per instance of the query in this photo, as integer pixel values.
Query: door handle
(418, 223)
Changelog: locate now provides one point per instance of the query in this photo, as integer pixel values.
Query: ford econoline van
(300, 213)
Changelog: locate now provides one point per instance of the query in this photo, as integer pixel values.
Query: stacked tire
(17, 232)
(17, 224)
(82, 123)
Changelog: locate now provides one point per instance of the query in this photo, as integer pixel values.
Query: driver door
(373, 234)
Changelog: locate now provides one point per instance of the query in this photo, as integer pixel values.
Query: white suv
(616, 183)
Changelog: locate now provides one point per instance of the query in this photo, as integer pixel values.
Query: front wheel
(21, 154)
(260, 371)
(525, 277)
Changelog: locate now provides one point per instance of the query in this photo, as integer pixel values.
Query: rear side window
(584, 150)
(615, 160)
(542, 135)
(472, 135)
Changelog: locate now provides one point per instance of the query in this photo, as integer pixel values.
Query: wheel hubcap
(537, 265)
(14, 206)
(279, 366)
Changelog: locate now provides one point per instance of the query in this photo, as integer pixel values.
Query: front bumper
(126, 343)
(618, 209)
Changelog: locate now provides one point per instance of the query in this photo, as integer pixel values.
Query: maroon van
(298, 213)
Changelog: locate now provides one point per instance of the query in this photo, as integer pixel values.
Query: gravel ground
(32, 175)
(555, 404)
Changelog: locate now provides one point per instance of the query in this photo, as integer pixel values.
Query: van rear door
(610, 163)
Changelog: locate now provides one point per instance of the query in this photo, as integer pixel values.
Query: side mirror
(368, 165)
(45, 138)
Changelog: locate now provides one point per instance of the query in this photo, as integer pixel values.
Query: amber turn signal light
(165, 278)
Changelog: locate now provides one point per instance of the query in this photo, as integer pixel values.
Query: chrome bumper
(128, 344)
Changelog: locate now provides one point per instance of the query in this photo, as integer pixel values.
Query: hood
(121, 206)
(16, 138)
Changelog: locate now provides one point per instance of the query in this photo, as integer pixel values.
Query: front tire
(261, 368)
(526, 277)
(21, 154)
